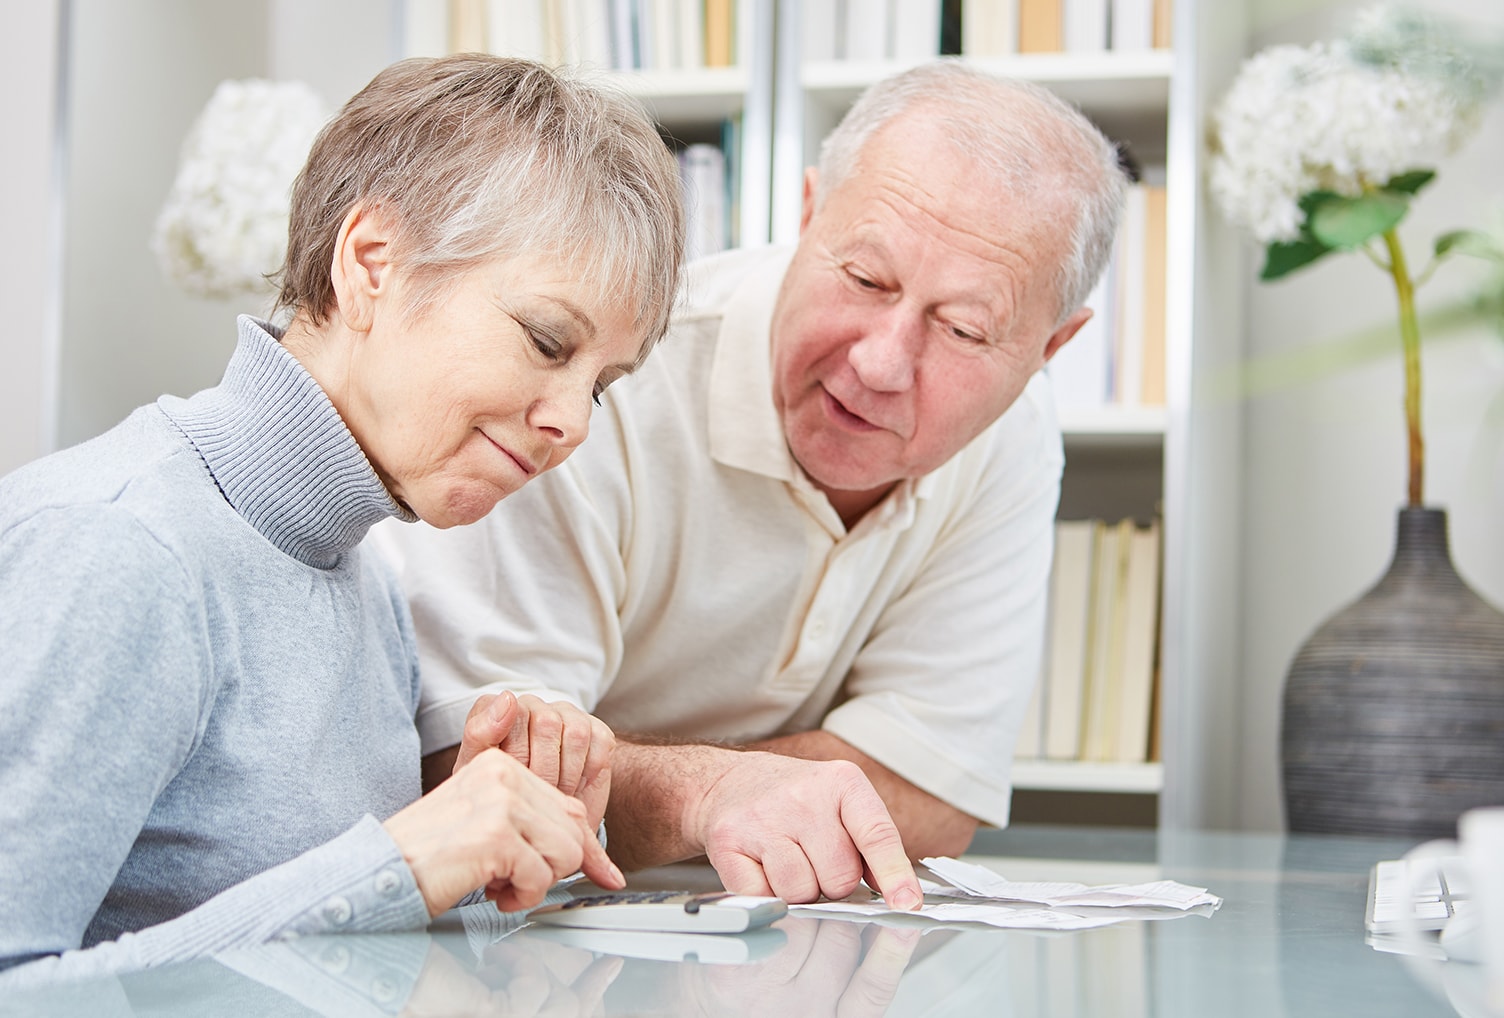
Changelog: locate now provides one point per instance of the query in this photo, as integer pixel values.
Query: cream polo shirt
(680, 576)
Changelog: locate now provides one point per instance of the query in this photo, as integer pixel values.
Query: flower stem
(1410, 343)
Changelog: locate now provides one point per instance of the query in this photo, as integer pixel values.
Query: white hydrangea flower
(1300, 119)
(223, 227)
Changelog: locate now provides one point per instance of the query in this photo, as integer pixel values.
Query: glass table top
(1287, 941)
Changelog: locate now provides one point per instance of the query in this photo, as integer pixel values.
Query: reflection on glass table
(1288, 941)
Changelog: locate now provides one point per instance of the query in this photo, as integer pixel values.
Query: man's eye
(862, 281)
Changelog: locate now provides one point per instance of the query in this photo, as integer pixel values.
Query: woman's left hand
(556, 740)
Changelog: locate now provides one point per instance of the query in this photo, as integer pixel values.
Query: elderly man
(817, 525)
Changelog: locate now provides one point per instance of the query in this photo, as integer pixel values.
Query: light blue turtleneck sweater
(204, 678)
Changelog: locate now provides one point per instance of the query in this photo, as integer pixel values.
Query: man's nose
(885, 355)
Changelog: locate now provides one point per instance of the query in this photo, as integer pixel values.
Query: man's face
(913, 314)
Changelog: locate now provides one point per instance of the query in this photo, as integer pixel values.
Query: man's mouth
(843, 415)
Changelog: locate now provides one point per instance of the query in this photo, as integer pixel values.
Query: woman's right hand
(494, 824)
(558, 741)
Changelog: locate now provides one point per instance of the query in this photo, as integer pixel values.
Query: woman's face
(461, 405)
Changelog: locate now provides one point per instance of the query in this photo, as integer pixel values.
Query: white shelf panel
(1114, 422)
(1103, 84)
(1080, 776)
(704, 96)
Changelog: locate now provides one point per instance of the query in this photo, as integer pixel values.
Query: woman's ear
(360, 267)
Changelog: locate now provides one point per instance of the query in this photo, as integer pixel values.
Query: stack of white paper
(975, 894)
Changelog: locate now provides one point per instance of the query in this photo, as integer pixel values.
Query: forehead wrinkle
(936, 212)
(1005, 268)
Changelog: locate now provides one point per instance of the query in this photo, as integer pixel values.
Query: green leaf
(1409, 183)
(1469, 242)
(1312, 200)
(1345, 223)
(1284, 257)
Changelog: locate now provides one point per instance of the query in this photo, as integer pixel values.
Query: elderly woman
(206, 710)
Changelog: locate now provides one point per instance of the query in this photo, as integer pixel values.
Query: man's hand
(929, 825)
(498, 826)
(769, 824)
(557, 741)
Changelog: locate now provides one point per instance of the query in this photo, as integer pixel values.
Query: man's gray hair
(475, 157)
(1030, 141)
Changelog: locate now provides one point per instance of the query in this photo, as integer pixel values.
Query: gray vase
(1393, 713)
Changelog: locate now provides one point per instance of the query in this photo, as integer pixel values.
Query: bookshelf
(1176, 461)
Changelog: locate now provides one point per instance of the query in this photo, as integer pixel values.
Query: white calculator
(664, 911)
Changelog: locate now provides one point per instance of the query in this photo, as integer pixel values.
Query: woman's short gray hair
(474, 157)
(1030, 140)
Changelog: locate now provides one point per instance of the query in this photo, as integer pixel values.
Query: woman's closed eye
(545, 344)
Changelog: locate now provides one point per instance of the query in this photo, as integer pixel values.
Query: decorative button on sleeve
(337, 911)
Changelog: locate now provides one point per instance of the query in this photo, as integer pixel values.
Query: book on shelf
(864, 30)
(662, 25)
(916, 30)
(820, 24)
(869, 30)
(1041, 26)
(731, 147)
(1131, 274)
(467, 26)
(625, 55)
(690, 35)
(1097, 689)
(515, 30)
(1118, 357)
(1069, 628)
(702, 174)
(1132, 25)
(1084, 27)
(1151, 391)
(1105, 636)
(1030, 742)
(720, 33)
(586, 28)
(1164, 13)
(1081, 371)
(1140, 645)
(989, 28)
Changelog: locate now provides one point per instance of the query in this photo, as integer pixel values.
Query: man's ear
(1060, 336)
(360, 267)
(811, 178)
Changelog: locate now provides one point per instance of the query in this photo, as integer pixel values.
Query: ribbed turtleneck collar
(281, 453)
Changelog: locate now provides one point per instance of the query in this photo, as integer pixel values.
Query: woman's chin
(461, 508)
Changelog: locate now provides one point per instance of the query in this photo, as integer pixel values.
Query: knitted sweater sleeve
(104, 696)
(356, 883)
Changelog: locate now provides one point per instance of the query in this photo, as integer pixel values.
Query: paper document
(980, 882)
(975, 894)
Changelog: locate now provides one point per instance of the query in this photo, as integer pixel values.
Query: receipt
(975, 894)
